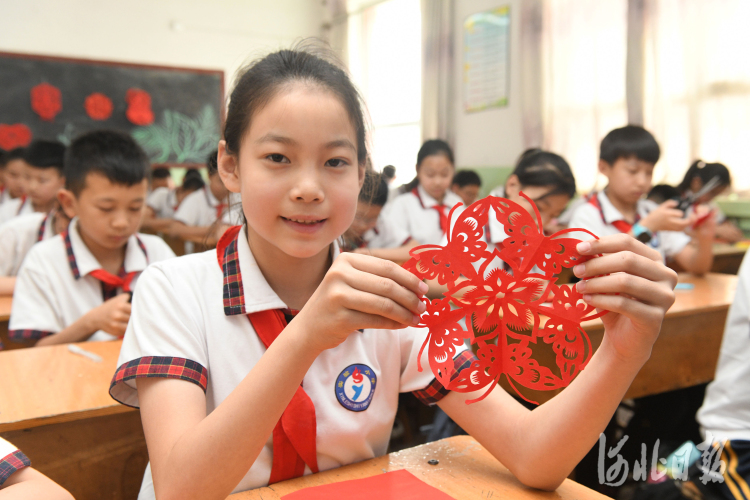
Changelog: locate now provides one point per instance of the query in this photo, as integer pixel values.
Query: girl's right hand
(666, 217)
(360, 291)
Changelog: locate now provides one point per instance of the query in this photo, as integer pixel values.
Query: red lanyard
(444, 223)
(621, 225)
(295, 434)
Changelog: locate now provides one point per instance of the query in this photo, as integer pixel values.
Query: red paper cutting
(98, 106)
(396, 485)
(46, 101)
(506, 307)
(139, 107)
(14, 136)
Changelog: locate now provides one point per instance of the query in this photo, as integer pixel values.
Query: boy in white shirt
(162, 202)
(466, 184)
(14, 172)
(627, 158)
(77, 285)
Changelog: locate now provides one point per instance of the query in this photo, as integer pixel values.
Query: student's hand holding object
(666, 218)
(112, 316)
(360, 291)
(630, 282)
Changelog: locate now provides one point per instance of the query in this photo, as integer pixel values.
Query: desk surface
(5, 303)
(62, 387)
(465, 471)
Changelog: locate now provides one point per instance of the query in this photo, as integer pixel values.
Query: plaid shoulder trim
(23, 335)
(233, 292)
(435, 391)
(71, 256)
(161, 366)
(142, 246)
(12, 464)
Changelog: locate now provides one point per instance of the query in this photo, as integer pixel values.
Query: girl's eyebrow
(341, 143)
(338, 143)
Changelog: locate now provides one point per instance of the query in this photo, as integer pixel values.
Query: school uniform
(163, 201)
(18, 235)
(14, 208)
(11, 460)
(60, 280)
(600, 217)
(202, 208)
(421, 216)
(193, 320)
(4, 195)
(385, 234)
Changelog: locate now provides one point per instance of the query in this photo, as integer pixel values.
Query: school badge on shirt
(355, 387)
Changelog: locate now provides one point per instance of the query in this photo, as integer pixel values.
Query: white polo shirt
(163, 201)
(599, 222)
(726, 407)
(189, 322)
(54, 287)
(11, 460)
(385, 234)
(15, 207)
(4, 195)
(18, 235)
(202, 208)
(415, 214)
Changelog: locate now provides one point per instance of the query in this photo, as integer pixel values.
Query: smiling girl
(276, 356)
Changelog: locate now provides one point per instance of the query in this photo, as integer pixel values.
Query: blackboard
(186, 104)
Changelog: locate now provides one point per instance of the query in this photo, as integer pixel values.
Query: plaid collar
(82, 261)
(240, 269)
(610, 213)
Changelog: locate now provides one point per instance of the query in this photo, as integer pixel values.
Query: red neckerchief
(295, 434)
(219, 208)
(621, 225)
(441, 210)
(114, 282)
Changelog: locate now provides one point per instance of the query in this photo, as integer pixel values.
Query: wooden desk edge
(64, 417)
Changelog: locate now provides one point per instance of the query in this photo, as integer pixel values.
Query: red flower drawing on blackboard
(98, 106)
(139, 107)
(46, 101)
(14, 136)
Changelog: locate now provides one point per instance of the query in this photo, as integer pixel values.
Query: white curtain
(584, 52)
(437, 69)
(335, 28)
(697, 84)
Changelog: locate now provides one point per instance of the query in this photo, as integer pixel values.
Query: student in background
(661, 193)
(3, 189)
(389, 175)
(162, 203)
(466, 184)
(698, 175)
(198, 212)
(77, 285)
(627, 158)
(14, 176)
(161, 177)
(372, 234)
(220, 343)
(422, 211)
(19, 481)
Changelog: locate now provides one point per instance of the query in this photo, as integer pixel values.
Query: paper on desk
(504, 307)
(400, 484)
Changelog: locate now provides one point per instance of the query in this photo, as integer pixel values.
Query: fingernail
(580, 286)
(423, 287)
(579, 270)
(422, 307)
(587, 298)
(415, 320)
(583, 247)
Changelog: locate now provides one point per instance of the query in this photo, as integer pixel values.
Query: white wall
(493, 137)
(213, 34)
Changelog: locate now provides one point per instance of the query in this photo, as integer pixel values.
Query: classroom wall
(492, 138)
(214, 34)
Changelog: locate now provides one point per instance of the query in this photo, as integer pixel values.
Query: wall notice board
(173, 113)
(486, 59)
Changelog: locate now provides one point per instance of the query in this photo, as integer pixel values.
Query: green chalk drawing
(180, 138)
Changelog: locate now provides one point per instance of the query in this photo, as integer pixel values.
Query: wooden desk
(6, 302)
(687, 350)
(466, 471)
(727, 258)
(58, 411)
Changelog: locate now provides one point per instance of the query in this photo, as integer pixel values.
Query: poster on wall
(487, 59)
(173, 113)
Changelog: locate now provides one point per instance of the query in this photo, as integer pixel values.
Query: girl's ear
(229, 168)
(512, 186)
(68, 203)
(696, 184)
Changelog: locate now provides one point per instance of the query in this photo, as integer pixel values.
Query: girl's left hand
(631, 282)
(706, 223)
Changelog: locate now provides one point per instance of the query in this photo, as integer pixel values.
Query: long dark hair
(705, 172)
(429, 148)
(536, 167)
